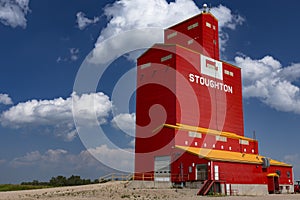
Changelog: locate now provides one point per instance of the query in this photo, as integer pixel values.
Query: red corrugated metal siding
(183, 102)
(153, 88)
(209, 141)
(187, 161)
(236, 173)
(231, 173)
(201, 34)
(218, 110)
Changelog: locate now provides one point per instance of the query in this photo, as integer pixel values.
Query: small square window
(278, 172)
(288, 174)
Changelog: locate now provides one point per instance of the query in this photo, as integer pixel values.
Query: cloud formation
(73, 56)
(227, 20)
(5, 99)
(267, 80)
(83, 22)
(124, 15)
(125, 122)
(13, 12)
(54, 158)
(58, 113)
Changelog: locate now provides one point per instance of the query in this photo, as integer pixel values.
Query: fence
(116, 177)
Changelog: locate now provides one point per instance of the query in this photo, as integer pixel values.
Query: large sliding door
(162, 171)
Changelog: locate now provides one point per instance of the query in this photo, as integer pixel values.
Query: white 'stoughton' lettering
(193, 78)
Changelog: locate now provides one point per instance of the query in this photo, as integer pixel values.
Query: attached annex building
(189, 115)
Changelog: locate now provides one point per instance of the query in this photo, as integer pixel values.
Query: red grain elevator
(189, 118)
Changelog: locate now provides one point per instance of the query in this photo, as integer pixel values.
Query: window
(278, 172)
(145, 65)
(288, 174)
(195, 134)
(171, 35)
(244, 142)
(221, 138)
(229, 73)
(208, 24)
(190, 42)
(193, 26)
(168, 57)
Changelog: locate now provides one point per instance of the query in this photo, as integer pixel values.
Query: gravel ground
(118, 191)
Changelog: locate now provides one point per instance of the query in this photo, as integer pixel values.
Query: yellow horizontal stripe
(228, 156)
(208, 131)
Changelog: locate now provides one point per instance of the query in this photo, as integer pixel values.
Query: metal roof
(228, 156)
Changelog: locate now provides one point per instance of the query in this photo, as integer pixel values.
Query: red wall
(236, 173)
(155, 106)
(205, 38)
(231, 173)
(217, 109)
(166, 95)
(182, 138)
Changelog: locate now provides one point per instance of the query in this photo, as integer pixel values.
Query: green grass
(11, 187)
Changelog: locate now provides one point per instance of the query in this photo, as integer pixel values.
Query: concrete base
(235, 189)
(256, 189)
(149, 184)
(194, 184)
(248, 189)
(286, 189)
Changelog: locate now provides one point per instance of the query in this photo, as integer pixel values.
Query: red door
(273, 184)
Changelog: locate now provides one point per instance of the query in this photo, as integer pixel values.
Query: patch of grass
(12, 187)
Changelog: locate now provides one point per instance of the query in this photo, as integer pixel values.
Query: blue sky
(45, 74)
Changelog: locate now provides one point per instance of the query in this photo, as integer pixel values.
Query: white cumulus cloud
(13, 12)
(226, 19)
(125, 122)
(58, 113)
(272, 83)
(35, 157)
(118, 159)
(5, 99)
(54, 158)
(83, 21)
(125, 15)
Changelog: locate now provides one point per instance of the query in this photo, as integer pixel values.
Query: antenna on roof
(204, 9)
